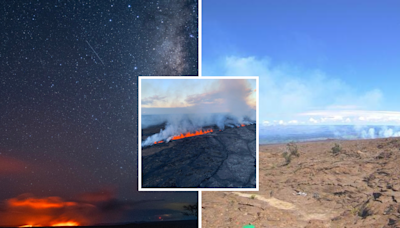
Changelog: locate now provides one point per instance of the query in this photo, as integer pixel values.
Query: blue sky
(319, 62)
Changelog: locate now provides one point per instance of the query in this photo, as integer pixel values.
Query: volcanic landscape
(211, 159)
(332, 183)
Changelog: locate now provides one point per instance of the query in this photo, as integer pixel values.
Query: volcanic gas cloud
(228, 103)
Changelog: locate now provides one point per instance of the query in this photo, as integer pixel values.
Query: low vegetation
(336, 149)
(291, 151)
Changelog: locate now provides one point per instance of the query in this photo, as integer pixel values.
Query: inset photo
(198, 133)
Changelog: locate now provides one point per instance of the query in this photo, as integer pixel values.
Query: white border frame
(199, 208)
(140, 188)
(199, 47)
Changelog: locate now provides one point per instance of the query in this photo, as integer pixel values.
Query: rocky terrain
(221, 159)
(353, 184)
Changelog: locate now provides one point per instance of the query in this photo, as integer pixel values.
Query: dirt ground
(359, 186)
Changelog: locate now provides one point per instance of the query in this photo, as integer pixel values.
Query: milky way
(68, 96)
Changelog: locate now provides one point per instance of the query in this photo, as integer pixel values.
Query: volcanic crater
(218, 159)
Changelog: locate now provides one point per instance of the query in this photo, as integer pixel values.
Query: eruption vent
(201, 132)
(188, 134)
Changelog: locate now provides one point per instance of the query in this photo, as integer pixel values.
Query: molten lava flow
(186, 135)
(69, 223)
(201, 132)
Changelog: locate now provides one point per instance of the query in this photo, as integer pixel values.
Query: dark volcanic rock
(220, 159)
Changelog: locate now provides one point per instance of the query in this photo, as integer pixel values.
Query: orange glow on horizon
(69, 223)
(159, 142)
(51, 202)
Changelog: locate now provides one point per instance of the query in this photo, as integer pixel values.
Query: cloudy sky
(334, 62)
(167, 96)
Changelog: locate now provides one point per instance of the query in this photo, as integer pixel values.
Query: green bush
(336, 149)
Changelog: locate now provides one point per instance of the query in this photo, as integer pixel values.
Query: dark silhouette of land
(160, 224)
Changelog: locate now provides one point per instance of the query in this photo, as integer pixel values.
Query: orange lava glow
(186, 135)
(50, 202)
(69, 223)
(201, 132)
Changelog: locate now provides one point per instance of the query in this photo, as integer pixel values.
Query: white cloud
(355, 116)
(286, 91)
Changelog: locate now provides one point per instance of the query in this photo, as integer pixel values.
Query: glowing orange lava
(50, 202)
(69, 223)
(186, 135)
(201, 132)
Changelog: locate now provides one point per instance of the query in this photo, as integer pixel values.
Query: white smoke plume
(227, 103)
(369, 132)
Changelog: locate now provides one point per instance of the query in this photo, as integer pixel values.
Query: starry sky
(319, 62)
(68, 103)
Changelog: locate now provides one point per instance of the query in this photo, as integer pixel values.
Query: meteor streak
(94, 52)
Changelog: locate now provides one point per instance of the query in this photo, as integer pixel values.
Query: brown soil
(358, 187)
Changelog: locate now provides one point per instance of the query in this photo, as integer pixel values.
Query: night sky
(68, 104)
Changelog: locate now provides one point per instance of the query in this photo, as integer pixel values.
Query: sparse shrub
(290, 151)
(336, 149)
(292, 147)
(288, 158)
(253, 196)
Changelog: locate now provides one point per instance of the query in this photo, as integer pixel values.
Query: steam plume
(227, 103)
